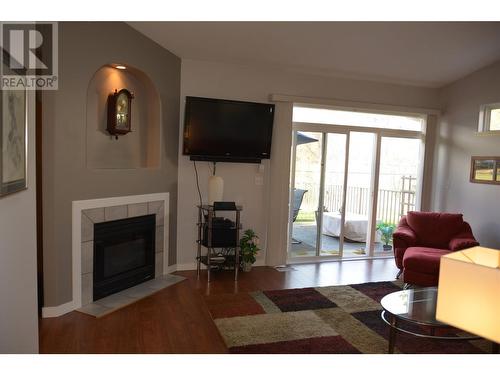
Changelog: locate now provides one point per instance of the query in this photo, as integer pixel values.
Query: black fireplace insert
(124, 254)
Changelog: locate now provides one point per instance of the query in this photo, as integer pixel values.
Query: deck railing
(392, 204)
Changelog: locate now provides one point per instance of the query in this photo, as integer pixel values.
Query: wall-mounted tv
(227, 130)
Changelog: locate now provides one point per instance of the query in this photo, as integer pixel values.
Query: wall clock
(119, 112)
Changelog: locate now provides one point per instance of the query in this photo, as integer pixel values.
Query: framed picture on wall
(13, 141)
(485, 169)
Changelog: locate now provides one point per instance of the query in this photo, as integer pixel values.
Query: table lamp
(469, 291)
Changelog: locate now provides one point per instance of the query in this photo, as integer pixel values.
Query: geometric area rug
(335, 319)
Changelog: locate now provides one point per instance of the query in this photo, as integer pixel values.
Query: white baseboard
(188, 266)
(55, 311)
(171, 269)
(260, 263)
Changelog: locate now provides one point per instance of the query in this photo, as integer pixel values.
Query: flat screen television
(227, 130)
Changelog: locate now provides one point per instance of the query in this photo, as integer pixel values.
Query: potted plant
(249, 249)
(386, 230)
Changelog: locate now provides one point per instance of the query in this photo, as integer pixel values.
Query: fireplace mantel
(112, 204)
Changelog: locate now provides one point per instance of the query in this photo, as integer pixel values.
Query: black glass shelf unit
(220, 236)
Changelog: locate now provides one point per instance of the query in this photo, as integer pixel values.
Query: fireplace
(124, 254)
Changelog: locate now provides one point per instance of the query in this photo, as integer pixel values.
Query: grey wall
(83, 49)
(18, 285)
(141, 147)
(456, 142)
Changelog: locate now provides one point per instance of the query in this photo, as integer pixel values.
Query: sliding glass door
(349, 187)
(359, 194)
(306, 193)
(331, 217)
(318, 194)
(397, 186)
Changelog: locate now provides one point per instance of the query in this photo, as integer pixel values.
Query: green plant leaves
(386, 230)
(248, 245)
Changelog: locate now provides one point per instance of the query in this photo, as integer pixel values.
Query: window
(355, 118)
(495, 119)
(489, 117)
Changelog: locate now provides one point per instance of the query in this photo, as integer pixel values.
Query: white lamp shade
(215, 189)
(469, 291)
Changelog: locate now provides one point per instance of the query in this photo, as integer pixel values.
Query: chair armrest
(402, 238)
(463, 240)
(404, 234)
(462, 243)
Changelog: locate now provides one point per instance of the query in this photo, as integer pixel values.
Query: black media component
(223, 233)
(224, 206)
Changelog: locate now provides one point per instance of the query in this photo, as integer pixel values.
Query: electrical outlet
(259, 180)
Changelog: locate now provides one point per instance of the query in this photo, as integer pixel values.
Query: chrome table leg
(392, 334)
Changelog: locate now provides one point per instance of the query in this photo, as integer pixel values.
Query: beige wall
(18, 285)
(201, 78)
(456, 142)
(83, 49)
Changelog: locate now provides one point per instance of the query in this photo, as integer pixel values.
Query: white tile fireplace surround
(86, 213)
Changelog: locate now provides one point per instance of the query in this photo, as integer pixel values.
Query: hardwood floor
(177, 320)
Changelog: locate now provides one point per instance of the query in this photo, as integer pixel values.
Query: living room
(115, 143)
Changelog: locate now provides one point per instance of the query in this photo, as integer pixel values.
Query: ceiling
(430, 54)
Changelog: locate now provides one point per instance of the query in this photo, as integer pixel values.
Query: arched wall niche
(141, 147)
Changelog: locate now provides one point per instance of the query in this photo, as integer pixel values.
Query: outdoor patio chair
(298, 196)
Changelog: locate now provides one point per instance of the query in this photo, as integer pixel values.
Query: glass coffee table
(417, 307)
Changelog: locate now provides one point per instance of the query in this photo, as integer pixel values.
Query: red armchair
(420, 240)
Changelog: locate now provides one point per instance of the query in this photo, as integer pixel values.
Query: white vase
(215, 189)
